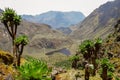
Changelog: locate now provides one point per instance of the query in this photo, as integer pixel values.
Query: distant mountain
(56, 19)
(100, 22)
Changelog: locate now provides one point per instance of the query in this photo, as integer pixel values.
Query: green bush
(34, 69)
(72, 58)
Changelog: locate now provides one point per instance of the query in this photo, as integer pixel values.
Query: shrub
(34, 69)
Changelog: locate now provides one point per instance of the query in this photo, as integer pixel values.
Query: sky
(33, 7)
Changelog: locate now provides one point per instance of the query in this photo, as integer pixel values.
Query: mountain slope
(40, 36)
(56, 19)
(100, 22)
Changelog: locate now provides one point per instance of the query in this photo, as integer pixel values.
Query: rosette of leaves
(105, 63)
(21, 40)
(107, 69)
(98, 43)
(34, 69)
(86, 48)
(10, 18)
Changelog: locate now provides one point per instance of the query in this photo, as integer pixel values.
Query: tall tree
(97, 46)
(90, 51)
(11, 20)
(87, 48)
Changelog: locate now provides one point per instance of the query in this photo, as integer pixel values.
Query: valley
(67, 45)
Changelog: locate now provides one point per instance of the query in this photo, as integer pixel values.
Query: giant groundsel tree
(11, 20)
(90, 50)
(107, 69)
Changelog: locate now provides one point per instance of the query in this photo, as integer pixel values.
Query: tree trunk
(94, 64)
(95, 57)
(20, 51)
(87, 74)
(74, 64)
(14, 51)
(18, 60)
(104, 73)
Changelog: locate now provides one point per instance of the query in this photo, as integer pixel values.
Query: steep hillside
(40, 36)
(56, 19)
(100, 22)
(112, 45)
